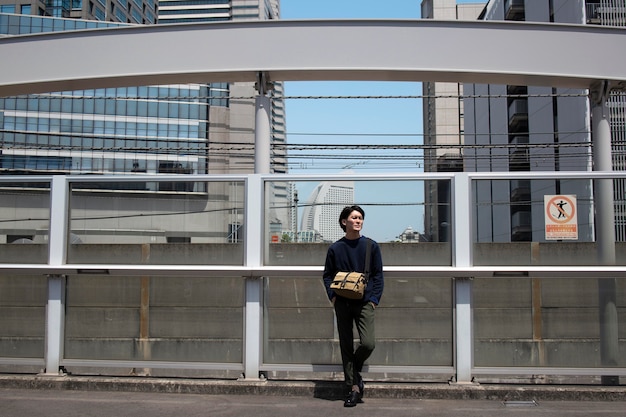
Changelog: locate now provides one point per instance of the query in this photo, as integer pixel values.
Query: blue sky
(322, 118)
(348, 9)
(352, 121)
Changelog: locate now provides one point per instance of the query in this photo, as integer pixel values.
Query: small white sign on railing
(561, 217)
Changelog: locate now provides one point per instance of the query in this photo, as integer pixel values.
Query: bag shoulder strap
(368, 256)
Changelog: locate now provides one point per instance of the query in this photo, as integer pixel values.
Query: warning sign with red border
(561, 217)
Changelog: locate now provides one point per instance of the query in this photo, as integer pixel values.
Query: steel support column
(462, 257)
(254, 230)
(55, 324)
(57, 252)
(605, 228)
(463, 329)
(253, 328)
(59, 223)
(253, 317)
(262, 126)
(253, 285)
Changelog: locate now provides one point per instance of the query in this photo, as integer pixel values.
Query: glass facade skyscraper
(151, 129)
(123, 11)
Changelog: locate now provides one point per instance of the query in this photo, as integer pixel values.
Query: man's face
(354, 222)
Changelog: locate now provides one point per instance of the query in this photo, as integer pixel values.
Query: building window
(178, 239)
(234, 233)
(514, 10)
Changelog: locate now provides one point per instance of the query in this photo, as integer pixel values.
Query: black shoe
(353, 399)
(361, 385)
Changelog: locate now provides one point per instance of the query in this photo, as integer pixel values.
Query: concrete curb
(318, 389)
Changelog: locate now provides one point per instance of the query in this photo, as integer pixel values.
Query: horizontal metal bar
(546, 175)
(293, 367)
(316, 271)
(321, 368)
(387, 369)
(22, 361)
(548, 371)
(128, 178)
(536, 175)
(95, 363)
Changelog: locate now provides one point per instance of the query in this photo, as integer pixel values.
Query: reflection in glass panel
(413, 323)
(534, 322)
(25, 219)
(186, 319)
(167, 222)
(22, 316)
(412, 230)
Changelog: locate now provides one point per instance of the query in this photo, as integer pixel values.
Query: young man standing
(348, 255)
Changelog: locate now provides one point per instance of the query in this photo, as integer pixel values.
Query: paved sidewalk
(328, 390)
(67, 396)
(82, 403)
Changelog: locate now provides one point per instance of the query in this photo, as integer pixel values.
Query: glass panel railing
(23, 316)
(185, 319)
(414, 323)
(191, 223)
(299, 328)
(412, 229)
(535, 322)
(535, 223)
(24, 222)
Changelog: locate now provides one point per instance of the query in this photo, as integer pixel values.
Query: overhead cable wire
(296, 97)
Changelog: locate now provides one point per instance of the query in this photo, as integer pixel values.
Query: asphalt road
(64, 403)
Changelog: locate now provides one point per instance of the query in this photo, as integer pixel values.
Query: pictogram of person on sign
(560, 204)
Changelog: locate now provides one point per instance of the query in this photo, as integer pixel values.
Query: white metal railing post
(57, 250)
(58, 230)
(254, 230)
(462, 226)
(55, 325)
(253, 253)
(462, 257)
(605, 228)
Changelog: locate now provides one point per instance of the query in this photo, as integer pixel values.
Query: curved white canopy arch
(286, 50)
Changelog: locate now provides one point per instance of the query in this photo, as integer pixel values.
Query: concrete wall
(400, 254)
(22, 316)
(183, 319)
(314, 254)
(518, 322)
(541, 322)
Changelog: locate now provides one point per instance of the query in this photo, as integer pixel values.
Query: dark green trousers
(352, 313)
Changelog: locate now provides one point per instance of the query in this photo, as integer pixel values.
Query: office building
(323, 207)
(235, 143)
(122, 11)
(443, 125)
(149, 129)
(173, 11)
(409, 235)
(529, 128)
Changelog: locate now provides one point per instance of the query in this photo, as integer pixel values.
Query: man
(348, 255)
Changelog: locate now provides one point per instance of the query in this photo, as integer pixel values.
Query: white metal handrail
(253, 267)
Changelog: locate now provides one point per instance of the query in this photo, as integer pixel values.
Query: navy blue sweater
(349, 256)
